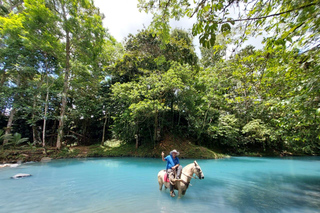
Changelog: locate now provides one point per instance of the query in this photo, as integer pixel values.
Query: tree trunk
(2, 81)
(65, 87)
(205, 117)
(137, 141)
(137, 134)
(104, 129)
(45, 117)
(11, 116)
(63, 110)
(172, 113)
(84, 131)
(9, 124)
(45, 107)
(34, 134)
(34, 127)
(155, 128)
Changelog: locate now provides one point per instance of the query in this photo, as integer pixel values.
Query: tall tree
(82, 35)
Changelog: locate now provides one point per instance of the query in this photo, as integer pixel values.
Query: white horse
(182, 184)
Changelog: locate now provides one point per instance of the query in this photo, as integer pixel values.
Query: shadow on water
(112, 162)
(266, 193)
(246, 185)
(62, 163)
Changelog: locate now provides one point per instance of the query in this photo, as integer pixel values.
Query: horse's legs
(160, 183)
(160, 186)
(179, 193)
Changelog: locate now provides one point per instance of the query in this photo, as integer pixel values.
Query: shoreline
(22, 158)
(15, 164)
(187, 150)
(115, 148)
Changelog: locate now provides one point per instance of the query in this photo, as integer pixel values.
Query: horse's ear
(195, 163)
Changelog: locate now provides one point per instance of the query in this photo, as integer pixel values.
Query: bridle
(194, 177)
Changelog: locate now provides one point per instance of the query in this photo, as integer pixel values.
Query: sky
(122, 17)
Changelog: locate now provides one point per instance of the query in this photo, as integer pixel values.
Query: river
(237, 184)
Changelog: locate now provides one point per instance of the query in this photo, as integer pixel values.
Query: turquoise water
(238, 184)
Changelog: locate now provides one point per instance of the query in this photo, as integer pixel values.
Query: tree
(68, 33)
(141, 104)
(149, 80)
(298, 18)
(146, 54)
(82, 35)
(19, 64)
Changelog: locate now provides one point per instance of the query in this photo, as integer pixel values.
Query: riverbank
(112, 148)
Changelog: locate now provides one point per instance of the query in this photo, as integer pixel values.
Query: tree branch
(229, 3)
(197, 8)
(268, 16)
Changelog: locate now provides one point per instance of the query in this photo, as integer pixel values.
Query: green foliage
(298, 18)
(146, 99)
(145, 54)
(257, 132)
(153, 84)
(1, 134)
(31, 146)
(226, 130)
(15, 140)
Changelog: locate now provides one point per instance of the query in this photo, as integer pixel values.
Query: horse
(181, 184)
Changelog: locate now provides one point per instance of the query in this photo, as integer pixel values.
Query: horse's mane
(187, 167)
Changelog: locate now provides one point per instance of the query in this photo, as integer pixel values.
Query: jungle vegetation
(65, 79)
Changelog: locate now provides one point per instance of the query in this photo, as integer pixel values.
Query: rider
(173, 166)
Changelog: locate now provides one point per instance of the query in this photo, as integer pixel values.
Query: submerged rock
(18, 176)
(45, 159)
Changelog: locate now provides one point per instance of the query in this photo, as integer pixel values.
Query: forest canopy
(64, 78)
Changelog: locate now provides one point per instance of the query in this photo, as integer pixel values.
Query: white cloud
(122, 17)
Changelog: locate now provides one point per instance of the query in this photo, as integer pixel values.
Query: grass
(113, 148)
(185, 147)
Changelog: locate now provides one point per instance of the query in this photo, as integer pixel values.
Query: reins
(194, 177)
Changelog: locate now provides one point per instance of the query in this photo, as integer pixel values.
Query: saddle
(166, 178)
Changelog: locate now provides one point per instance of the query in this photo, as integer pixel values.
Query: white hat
(175, 152)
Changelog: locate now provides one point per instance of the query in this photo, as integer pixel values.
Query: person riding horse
(173, 167)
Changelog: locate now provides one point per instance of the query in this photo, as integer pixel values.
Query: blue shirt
(171, 162)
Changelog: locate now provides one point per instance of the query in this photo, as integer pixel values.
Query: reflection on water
(238, 184)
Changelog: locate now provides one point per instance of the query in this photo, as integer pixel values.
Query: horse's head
(197, 170)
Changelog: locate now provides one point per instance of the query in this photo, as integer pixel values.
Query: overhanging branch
(268, 16)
